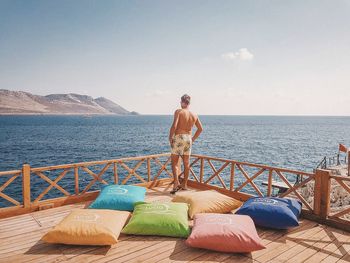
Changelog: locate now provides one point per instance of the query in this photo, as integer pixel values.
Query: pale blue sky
(232, 57)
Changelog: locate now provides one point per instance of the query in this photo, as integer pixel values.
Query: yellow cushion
(88, 227)
(207, 202)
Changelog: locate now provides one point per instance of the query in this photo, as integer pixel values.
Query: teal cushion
(119, 197)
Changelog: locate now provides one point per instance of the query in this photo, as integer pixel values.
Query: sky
(246, 57)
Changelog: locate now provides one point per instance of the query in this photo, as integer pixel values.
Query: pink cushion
(224, 233)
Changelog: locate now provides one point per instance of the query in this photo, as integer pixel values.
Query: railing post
(322, 193)
(232, 176)
(201, 173)
(115, 173)
(348, 163)
(269, 183)
(76, 179)
(26, 185)
(338, 161)
(148, 169)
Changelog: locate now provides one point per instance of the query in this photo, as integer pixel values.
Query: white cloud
(241, 54)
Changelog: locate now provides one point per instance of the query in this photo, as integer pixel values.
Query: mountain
(20, 102)
(111, 106)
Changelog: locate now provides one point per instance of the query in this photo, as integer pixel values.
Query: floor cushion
(224, 233)
(88, 227)
(209, 201)
(161, 219)
(272, 212)
(119, 197)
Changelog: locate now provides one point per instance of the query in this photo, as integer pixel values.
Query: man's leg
(175, 169)
(186, 161)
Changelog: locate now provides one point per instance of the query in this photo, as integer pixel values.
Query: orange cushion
(224, 233)
(209, 201)
(88, 227)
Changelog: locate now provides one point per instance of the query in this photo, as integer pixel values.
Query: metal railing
(331, 161)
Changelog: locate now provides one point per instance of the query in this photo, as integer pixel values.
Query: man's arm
(198, 131)
(173, 127)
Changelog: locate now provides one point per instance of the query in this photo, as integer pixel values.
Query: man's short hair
(186, 99)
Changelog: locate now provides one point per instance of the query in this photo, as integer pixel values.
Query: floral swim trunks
(182, 144)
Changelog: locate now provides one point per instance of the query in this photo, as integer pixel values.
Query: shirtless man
(180, 138)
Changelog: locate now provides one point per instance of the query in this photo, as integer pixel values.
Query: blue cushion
(119, 197)
(272, 212)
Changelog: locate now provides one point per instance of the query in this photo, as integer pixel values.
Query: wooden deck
(20, 242)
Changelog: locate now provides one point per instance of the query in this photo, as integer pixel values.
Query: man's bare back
(186, 121)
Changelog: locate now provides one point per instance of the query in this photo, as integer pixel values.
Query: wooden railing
(8, 178)
(239, 179)
(40, 187)
(343, 192)
(243, 180)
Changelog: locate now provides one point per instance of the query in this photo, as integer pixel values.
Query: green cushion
(161, 219)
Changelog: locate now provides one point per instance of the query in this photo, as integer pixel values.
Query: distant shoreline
(25, 103)
(68, 114)
(138, 114)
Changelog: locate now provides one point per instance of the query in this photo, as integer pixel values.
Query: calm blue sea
(291, 142)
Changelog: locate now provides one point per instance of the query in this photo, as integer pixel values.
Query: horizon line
(159, 114)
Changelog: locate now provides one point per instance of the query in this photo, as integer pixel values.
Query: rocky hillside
(19, 102)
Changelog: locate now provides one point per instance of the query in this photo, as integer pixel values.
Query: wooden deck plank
(14, 220)
(156, 249)
(185, 255)
(69, 253)
(128, 248)
(286, 243)
(346, 257)
(291, 253)
(166, 253)
(311, 245)
(85, 253)
(240, 258)
(330, 245)
(20, 242)
(212, 257)
(274, 238)
(342, 251)
(26, 224)
(144, 253)
(18, 231)
(31, 253)
(10, 225)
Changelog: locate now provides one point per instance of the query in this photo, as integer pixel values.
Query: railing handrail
(267, 167)
(72, 165)
(10, 172)
(344, 178)
(136, 158)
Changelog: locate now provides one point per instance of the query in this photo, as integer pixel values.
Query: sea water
(286, 141)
